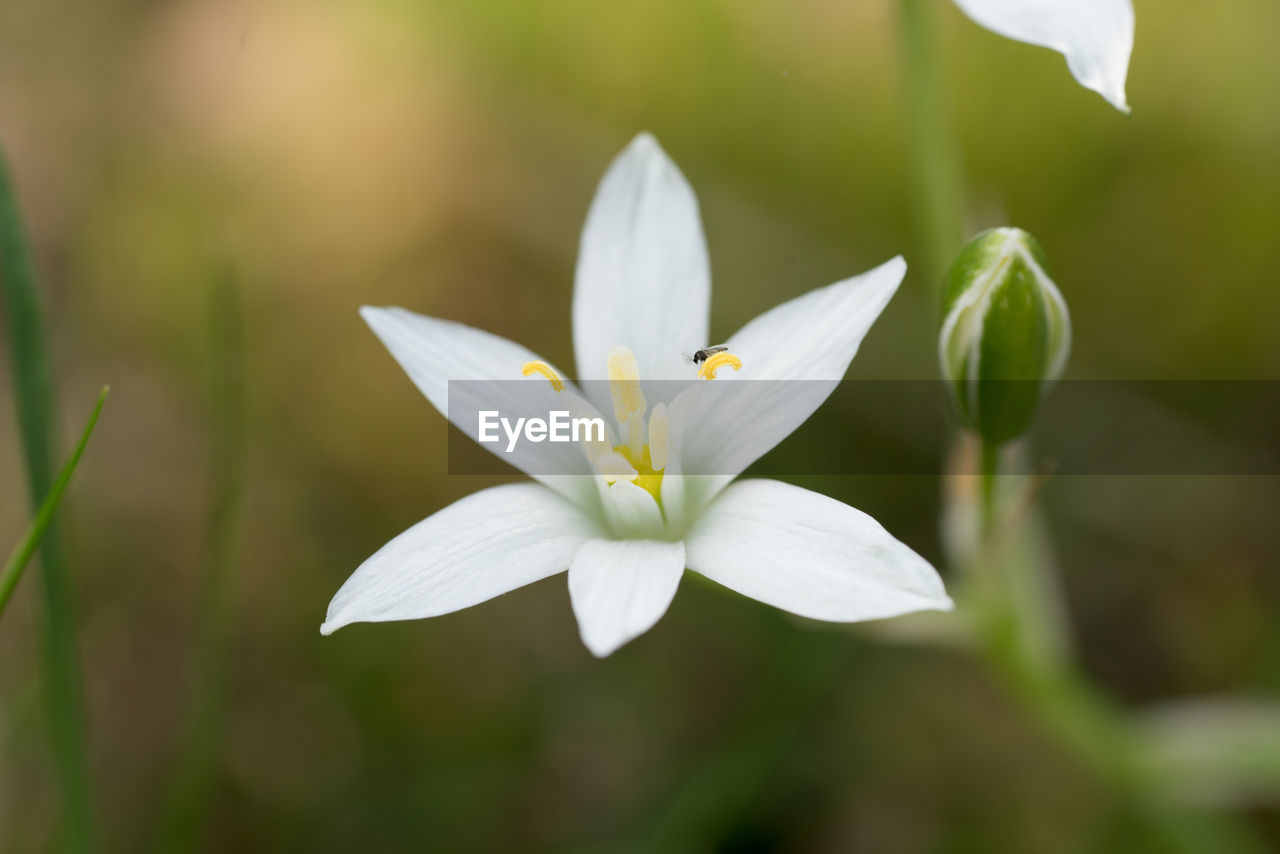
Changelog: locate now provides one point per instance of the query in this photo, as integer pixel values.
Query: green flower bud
(1005, 333)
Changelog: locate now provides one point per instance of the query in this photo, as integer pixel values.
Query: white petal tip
(328, 628)
(375, 317)
(646, 154)
(600, 651)
(1115, 97)
(603, 647)
(644, 143)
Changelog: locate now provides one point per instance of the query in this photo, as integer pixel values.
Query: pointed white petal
(814, 336)
(482, 546)
(810, 555)
(620, 588)
(643, 279)
(434, 352)
(792, 358)
(1096, 36)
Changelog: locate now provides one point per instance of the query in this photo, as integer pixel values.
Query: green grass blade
(194, 775)
(27, 547)
(34, 403)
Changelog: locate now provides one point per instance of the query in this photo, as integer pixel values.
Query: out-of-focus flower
(1005, 335)
(627, 516)
(1096, 36)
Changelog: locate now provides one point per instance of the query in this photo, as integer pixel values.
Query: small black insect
(705, 353)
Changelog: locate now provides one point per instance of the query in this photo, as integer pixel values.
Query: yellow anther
(531, 368)
(715, 362)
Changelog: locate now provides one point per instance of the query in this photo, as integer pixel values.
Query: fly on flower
(628, 515)
(700, 356)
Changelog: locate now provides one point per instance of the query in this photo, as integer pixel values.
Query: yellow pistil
(646, 477)
(531, 368)
(715, 362)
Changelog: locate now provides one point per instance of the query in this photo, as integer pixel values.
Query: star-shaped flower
(628, 515)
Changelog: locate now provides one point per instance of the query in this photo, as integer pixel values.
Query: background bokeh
(440, 155)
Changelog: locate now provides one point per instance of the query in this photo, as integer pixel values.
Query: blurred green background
(441, 156)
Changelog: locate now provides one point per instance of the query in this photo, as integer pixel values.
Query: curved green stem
(1072, 710)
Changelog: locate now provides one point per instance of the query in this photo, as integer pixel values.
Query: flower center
(647, 477)
(641, 455)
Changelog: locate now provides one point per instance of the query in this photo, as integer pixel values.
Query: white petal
(630, 511)
(810, 555)
(814, 336)
(433, 352)
(643, 279)
(1096, 36)
(620, 588)
(792, 358)
(482, 546)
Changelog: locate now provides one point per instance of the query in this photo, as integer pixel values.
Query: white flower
(1096, 36)
(626, 518)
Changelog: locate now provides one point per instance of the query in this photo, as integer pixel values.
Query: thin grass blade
(22, 554)
(194, 775)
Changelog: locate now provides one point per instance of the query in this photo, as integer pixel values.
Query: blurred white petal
(1096, 36)
(482, 546)
(620, 588)
(643, 278)
(810, 555)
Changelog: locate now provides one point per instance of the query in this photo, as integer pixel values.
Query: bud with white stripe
(1005, 335)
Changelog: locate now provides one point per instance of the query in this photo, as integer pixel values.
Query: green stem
(714, 788)
(935, 173)
(195, 769)
(990, 471)
(1068, 705)
(34, 399)
(27, 546)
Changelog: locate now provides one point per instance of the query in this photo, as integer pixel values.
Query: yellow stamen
(715, 362)
(531, 368)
